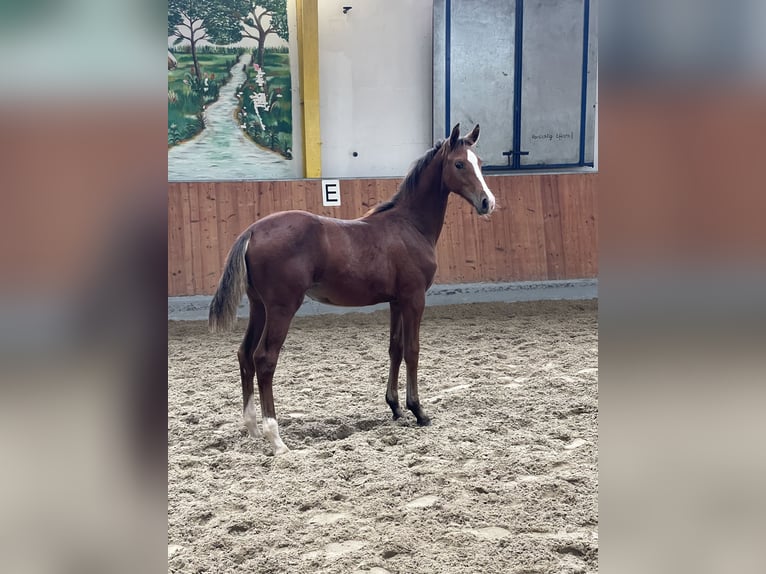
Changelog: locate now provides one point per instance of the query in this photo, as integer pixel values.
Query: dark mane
(410, 181)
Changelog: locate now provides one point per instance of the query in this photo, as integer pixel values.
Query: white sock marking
(475, 163)
(271, 433)
(250, 415)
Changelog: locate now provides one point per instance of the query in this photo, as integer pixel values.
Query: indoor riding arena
(504, 479)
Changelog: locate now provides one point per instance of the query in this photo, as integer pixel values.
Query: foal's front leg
(412, 313)
(395, 353)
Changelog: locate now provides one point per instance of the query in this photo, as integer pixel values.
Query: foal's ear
(454, 136)
(473, 137)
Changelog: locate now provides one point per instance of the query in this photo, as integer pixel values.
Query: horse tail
(231, 287)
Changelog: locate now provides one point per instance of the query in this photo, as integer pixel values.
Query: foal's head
(462, 171)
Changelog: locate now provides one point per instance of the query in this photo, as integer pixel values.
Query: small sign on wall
(331, 192)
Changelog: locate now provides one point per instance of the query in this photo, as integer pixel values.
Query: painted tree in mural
(263, 18)
(217, 21)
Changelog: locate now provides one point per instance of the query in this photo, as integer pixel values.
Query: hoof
(281, 450)
(424, 421)
(395, 408)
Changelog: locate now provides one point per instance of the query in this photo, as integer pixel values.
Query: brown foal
(388, 255)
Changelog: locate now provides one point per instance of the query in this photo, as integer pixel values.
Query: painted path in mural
(222, 151)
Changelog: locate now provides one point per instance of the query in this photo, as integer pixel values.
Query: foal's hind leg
(245, 354)
(395, 353)
(278, 319)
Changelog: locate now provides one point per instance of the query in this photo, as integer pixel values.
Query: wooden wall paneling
(290, 192)
(464, 248)
(545, 226)
(258, 191)
(196, 246)
(457, 248)
(363, 205)
(589, 202)
(187, 247)
(484, 256)
(222, 207)
(453, 249)
(277, 201)
(226, 216)
(578, 228)
(570, 224)
(314, 197)
(487, 258)
(274, 199)
(519, 234)
(527, 232)
(554, 246)
(361, 198)
(271, 199)
(280, 197)
(382, 190)
(175, 243)
(299, 195)
(537, 250)
(516, 217)
(369, 195)
(453, 234)
(502, 231)
(467, 246)
(246, 200)
(471, 248)
(287, 190)
(316, 201)
(348, 207)
(350, 199)
(211, 260)
(498, 249)
(498, 228)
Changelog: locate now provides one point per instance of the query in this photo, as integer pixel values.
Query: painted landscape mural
(229, 91)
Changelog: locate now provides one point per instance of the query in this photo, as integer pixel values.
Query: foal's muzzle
(485, 205)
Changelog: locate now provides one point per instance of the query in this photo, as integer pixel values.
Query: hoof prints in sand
(504, 480)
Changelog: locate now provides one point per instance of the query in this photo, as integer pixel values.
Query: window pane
(480, 90)
(552, 62)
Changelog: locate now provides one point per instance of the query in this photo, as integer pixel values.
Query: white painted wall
(375, 85)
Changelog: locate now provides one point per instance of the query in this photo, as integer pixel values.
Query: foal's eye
(459, 165)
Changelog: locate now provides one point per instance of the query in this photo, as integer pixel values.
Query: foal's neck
(427, 204)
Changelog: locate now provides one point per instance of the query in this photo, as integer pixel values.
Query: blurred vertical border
(682, 198)
(83, 232)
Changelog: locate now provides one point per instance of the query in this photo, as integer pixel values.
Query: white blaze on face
(475, 163)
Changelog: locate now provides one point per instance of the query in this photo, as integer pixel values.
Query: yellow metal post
(308, 48)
